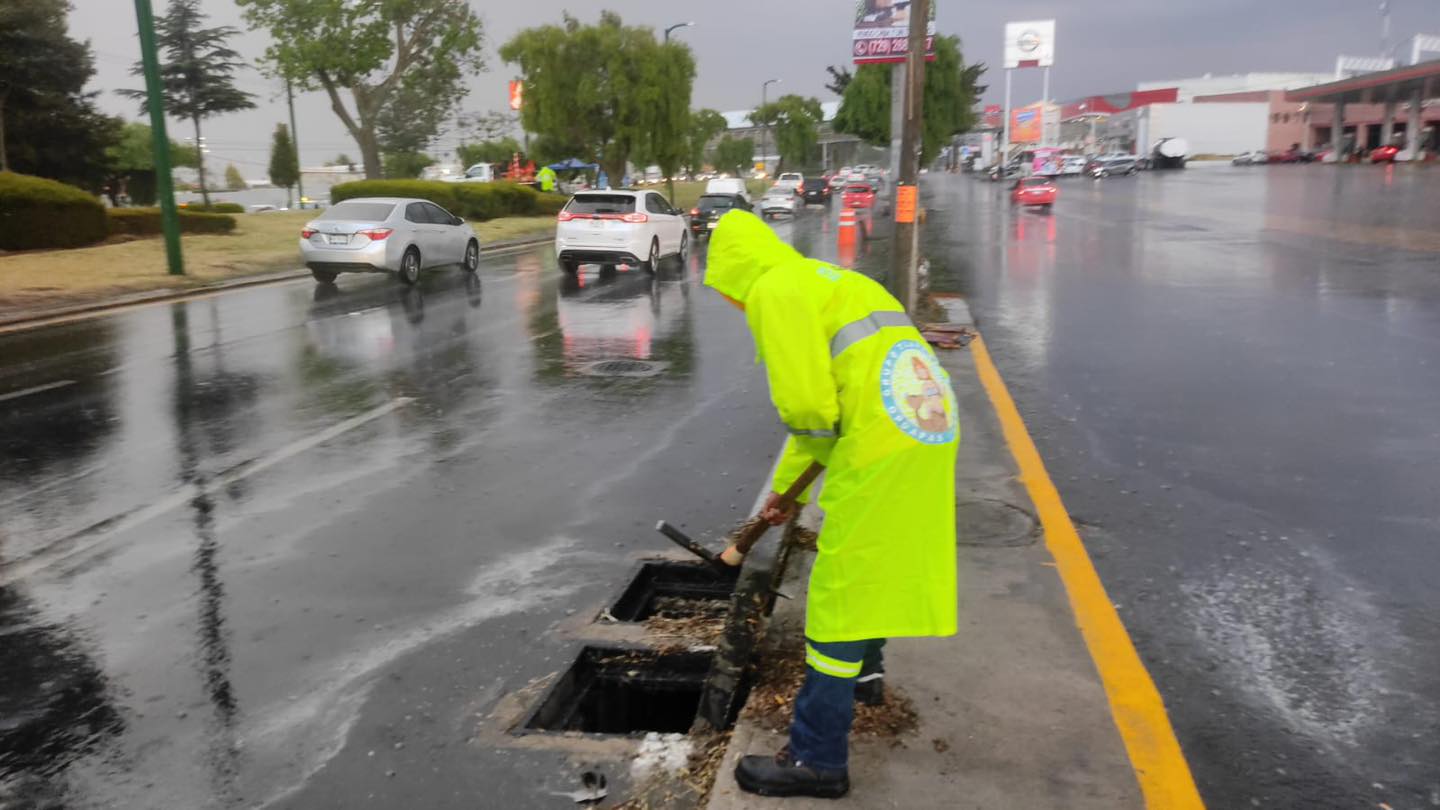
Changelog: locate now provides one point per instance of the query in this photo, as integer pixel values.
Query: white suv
(637, 228)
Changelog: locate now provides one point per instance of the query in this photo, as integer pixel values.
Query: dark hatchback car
(815, 191)
(710, 208)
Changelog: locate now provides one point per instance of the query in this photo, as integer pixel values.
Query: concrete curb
(96, 308)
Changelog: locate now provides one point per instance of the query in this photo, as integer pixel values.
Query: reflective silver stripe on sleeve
(856, 331)
(814, 434)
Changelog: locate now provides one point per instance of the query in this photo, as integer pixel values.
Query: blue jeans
(825, 707)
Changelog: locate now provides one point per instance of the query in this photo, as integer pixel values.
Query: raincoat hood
(742, 249)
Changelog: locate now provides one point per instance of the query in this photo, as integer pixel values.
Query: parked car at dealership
(1073, 165)
(710, 208)
(1111, 165)
(636, 228)
(397, 235)
(1255, 158)
(1384, 154)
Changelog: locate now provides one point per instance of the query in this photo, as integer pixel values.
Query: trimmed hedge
(40, 213)
(216, 208)
(146, 222)
(477, 201)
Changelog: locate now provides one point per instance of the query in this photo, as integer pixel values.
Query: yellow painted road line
(1135, 703)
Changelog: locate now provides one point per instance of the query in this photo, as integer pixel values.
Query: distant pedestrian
(546, 176)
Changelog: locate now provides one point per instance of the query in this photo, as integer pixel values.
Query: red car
(1384, 154)
(858, 195)
(1034, 191)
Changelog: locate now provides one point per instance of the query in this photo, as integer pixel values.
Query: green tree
(951, 88)
(601, 89)
(704, 126)
(734, 155)
(840, 79)
(379, 52)
(48, 122)
(197, 71)
(406, 165)
(498, 151)
(234, 180)
(130, 164)
(795, 122)
(284, 165)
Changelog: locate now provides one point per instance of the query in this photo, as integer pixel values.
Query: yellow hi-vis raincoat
(862, 393)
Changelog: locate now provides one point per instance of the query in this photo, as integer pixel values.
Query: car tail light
(376, 234)
(694, 212)
(635, 218)
(306, 233)
(564, 216)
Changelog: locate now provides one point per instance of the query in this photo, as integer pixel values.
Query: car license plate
(710, 226)
(337, 239)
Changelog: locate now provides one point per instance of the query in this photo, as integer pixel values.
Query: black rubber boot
(781, 775)
(871, 692)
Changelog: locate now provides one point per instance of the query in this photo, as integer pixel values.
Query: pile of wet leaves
(782, 671)
(688, 622)
(803, 538)
(694, 783)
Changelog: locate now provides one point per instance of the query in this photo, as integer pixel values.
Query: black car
(710, 208)
(815, 190)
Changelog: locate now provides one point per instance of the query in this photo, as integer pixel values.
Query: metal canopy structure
(1376, 88)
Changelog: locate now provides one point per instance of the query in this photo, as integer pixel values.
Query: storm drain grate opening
(624, 691)
(623, 368)
(676, 589)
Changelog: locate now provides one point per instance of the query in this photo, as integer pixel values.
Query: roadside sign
(882, 32)
(906, 200)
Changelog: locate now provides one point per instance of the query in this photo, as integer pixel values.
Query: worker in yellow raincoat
(859, 390)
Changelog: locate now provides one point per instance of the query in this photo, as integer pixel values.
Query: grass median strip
(261, 243)
(1135, 703)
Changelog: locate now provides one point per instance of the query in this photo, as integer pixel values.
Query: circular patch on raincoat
(916, 393)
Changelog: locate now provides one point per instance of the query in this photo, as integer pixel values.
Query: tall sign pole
(164, 183)
(904, 279)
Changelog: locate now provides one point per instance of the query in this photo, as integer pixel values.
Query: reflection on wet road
(1231, 375)
(242, 536)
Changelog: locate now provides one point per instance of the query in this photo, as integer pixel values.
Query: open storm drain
(674, 589)
(623, 368)
(624, 691)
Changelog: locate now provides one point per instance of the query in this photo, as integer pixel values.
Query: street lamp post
(669, 177)
(765, 132)
(164, 184)
(675, 26)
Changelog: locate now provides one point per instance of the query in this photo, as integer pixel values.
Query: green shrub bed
(146, 222)
(476, 201)
(216, 208)
(38, 213)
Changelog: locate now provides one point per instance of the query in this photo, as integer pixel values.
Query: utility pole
(904, 282)
(164, 183)
(295, 142)
(669, 178)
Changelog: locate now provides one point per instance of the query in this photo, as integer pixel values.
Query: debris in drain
(592, 789)
(661, 752)
(664, 791)
(670, 583)
(781, 672)
(693, 622)
(803, 538)
(947, 336)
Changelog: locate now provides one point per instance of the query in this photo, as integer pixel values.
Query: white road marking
(25, 392)
(63, 549)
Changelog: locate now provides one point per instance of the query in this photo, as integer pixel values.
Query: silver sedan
(387, 235)
(778, 201)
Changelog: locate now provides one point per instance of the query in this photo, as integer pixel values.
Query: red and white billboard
(517, 95)
(882, 32)
(994, 116)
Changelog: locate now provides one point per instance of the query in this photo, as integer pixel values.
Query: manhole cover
(996, 524)
(623, 368)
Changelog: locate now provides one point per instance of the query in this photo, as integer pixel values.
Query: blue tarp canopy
(572, 163)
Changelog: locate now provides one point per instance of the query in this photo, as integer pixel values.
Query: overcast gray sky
(1101, 46)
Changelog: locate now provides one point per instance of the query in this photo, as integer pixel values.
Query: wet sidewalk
(1011, 711)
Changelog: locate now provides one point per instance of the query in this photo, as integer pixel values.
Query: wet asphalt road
(285, 546)
(1233, 377)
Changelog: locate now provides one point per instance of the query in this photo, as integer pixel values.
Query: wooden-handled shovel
(744, 538)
